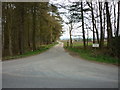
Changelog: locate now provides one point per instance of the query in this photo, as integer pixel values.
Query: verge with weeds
(99, 55)
(30, 53)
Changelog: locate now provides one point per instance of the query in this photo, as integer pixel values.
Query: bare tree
(94, 24)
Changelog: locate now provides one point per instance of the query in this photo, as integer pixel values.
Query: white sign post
(95, 45)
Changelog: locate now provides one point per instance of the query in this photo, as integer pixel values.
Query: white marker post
(95, 45)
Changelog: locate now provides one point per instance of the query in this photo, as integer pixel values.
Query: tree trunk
(118, 20)
(10, 29)
(101, 28)
(70, 32)
(34, 27)
(21, 31)
(114, 18)
(83, 31)
(97, 34)
(93, 24)
(51, 36)
(104, 21)
(109, 27)
(28, 34)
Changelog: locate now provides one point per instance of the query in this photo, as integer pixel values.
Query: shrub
(115, 46)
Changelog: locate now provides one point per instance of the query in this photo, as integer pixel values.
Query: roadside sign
(95, 45)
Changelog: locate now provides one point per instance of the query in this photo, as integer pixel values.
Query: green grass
(30, 53)
(92, 54)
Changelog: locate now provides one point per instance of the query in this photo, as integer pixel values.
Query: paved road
(55, 68)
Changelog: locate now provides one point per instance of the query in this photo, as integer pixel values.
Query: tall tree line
(103, 17)
(99, 18)
(28, 25)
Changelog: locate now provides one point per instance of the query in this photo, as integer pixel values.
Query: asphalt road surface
(55, 68)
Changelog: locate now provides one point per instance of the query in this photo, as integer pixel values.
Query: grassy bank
(38, 51)
(92, 54)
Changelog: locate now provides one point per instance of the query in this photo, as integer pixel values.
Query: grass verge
(93, 54)
(30, 53)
